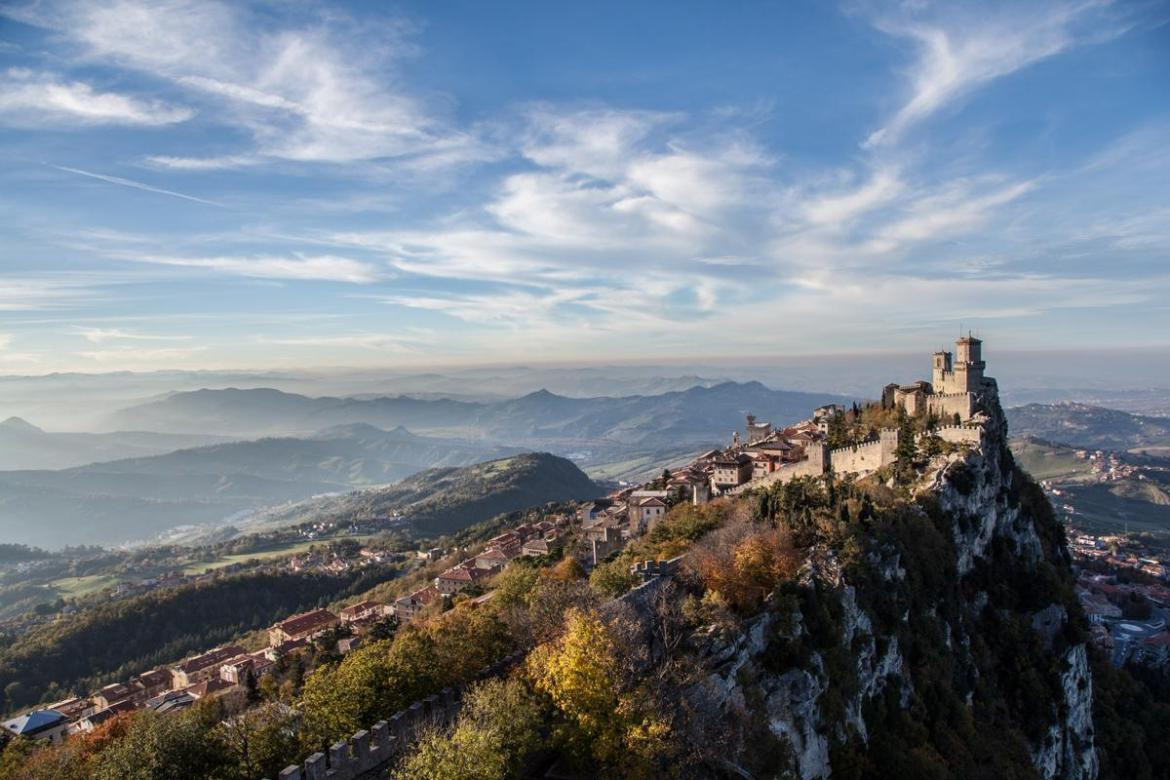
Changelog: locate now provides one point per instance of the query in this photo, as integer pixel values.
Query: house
(535, 547)
(235, 670)
(112, 694)
(456, 579)
(491, 560)
(275, 653)
(731, 471)
(410, 605)
(307, 625)
(508, 543)
(202, 667)
(48, 725)
(74, 709)
(150, 684)
(646, 511)
(209, 689)
(361, 611)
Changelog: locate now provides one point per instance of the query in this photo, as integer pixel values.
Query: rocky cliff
(937, 637)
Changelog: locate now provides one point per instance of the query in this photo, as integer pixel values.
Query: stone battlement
(368, 753)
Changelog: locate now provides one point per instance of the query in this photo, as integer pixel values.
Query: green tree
(498, 728)
(613, 578)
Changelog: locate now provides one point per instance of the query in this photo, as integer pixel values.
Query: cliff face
(950, 624)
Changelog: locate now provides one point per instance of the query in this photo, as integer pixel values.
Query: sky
(232, 185)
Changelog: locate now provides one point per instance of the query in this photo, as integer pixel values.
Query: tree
(613, 578)
(906, 452)
(260, 741)
(603, 719)
(497, 729)
(567, 570)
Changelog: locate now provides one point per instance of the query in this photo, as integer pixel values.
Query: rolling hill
(139, 498)
(25, 446)
(1094, 427)
(443, 500)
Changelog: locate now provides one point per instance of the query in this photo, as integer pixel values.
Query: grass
(73, 587)
(292, 548)
(1046, 461)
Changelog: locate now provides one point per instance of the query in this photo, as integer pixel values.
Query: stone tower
(963, 374)
(969, 365)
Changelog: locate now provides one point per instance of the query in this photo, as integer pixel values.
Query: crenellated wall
(960, 434)
(368, 754)
(947, 405)
(864, 458)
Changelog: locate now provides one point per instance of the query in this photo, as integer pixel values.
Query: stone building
(957, 383)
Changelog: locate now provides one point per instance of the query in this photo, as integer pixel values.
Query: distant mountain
(440, 501)
(1094, 427)
(138, 498)
(592, 430)
(25, 446)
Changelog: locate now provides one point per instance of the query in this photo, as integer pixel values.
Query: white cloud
(331, 268)
(323, 90)
(961, 48)
(102, 335)
(31, 99)
(130, 358)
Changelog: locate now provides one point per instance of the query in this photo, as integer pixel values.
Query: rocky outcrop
(977, 493)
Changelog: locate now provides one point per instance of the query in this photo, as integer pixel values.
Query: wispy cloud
(102, 335)
(136, 185)
(32, 99)
(331, 268)
(963, 47)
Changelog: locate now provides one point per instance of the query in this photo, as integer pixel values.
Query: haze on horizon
(254, 186)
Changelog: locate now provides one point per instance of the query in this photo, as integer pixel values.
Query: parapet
(370, 752)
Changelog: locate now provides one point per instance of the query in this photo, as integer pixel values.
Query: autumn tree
(498, 727)
(601, 718)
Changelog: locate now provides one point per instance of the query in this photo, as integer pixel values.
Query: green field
(73, 587)
(1049, 461)
(292, 548)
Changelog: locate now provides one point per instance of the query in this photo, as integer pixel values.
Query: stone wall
(946, 405)
(865, 458)
(960, 434)
(369, 753)
(812, 466)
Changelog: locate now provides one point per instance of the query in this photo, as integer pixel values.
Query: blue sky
(203, 184)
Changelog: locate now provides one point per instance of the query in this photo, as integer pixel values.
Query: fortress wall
(813, 466)
(960, 434)
(945, 405)
(368, 754)
(867, 457)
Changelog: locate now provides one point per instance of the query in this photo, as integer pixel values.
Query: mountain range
(594, 430)
(25, 446)
(137, 498)
(1092, 427)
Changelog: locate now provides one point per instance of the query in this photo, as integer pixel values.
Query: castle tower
(942, 367)
(969, 365)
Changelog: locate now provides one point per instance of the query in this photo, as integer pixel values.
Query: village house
(307, 625)
(491, 560)
(406, 607)
(645, 512)
(361, 611)
(459, 577)
(48, 725)
(731, 470)
(112, 694)
(74, 709)
(508, 543)
(202, 667)
(535, 547)
(93, 720)
(235, 670)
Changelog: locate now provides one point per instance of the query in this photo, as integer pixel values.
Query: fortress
(956, 386)
(954, 398)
